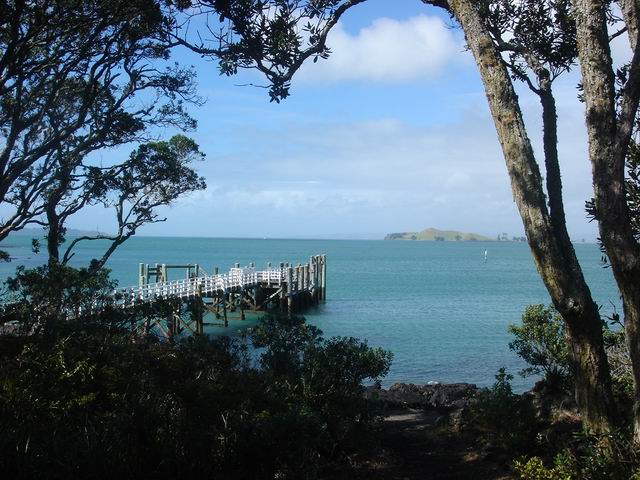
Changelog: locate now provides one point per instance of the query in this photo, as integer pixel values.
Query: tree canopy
(76, 77)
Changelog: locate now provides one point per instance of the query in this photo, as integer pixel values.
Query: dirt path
(415, 447)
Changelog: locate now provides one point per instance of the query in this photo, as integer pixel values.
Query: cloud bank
(387, 51)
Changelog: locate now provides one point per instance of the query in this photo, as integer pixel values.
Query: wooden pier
(285, 289)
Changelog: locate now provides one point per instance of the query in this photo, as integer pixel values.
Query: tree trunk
(53, 236)
(608, 146)
(552, 164)
(555, 259)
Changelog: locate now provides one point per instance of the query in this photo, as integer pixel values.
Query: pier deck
(286, 289)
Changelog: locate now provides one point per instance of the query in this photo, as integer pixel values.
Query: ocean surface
(439, 306)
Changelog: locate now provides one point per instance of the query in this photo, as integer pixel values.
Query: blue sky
(392, 133)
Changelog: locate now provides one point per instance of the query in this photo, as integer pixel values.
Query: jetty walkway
(287, 289)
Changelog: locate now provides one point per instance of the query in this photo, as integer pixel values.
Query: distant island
(433, 234)
(40, 232)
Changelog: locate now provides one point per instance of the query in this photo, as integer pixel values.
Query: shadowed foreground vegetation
(88, 400)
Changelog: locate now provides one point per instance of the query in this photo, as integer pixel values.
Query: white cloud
(388, 51)
(385, 174)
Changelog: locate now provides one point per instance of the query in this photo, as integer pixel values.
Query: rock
(443, 397)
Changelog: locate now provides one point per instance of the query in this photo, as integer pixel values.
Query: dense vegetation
(540, 431)
(87, 399)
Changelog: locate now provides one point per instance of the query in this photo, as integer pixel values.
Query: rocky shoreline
(434, 396)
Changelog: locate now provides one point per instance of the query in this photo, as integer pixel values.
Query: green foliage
(619, 362)
(83, 76)
(540, 29)
(533, 468)
(155, 175)
(541, 342)
(36, 299)
(322, 376)
(594, 457)
(92, 403)
(611, 456)
(507, 417)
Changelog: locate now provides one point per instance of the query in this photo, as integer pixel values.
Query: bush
(619, 361)
(506, 417)
(322, 377)
(541, 342)
(564, 468)
(594, 457)
(92, 403)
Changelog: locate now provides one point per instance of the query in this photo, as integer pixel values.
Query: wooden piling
(224, 309)
(199, 311)
(290, 291)
(241, 296)
(142, 274)
(163, 273)
(307, 287)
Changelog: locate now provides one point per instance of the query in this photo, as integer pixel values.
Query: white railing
(195, 286)
(300, 278)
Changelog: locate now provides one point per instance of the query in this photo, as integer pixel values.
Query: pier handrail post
(290, 291)
(307, 285)
(312, 270)
(323, 262)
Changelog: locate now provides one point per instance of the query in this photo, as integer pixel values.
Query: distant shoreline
(10, 244)
(435, 234)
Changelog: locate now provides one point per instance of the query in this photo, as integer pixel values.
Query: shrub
(92, 403)
(611, 456)
(505, 416)
(619, 360)
(564, 468)
(323, 376)
(541, 342)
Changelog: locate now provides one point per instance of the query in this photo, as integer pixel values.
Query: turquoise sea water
(438, 306)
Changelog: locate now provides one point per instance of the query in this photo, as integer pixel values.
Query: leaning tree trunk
(555, 259)
(609, 134)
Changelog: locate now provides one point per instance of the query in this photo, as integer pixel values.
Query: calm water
(438, 306)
